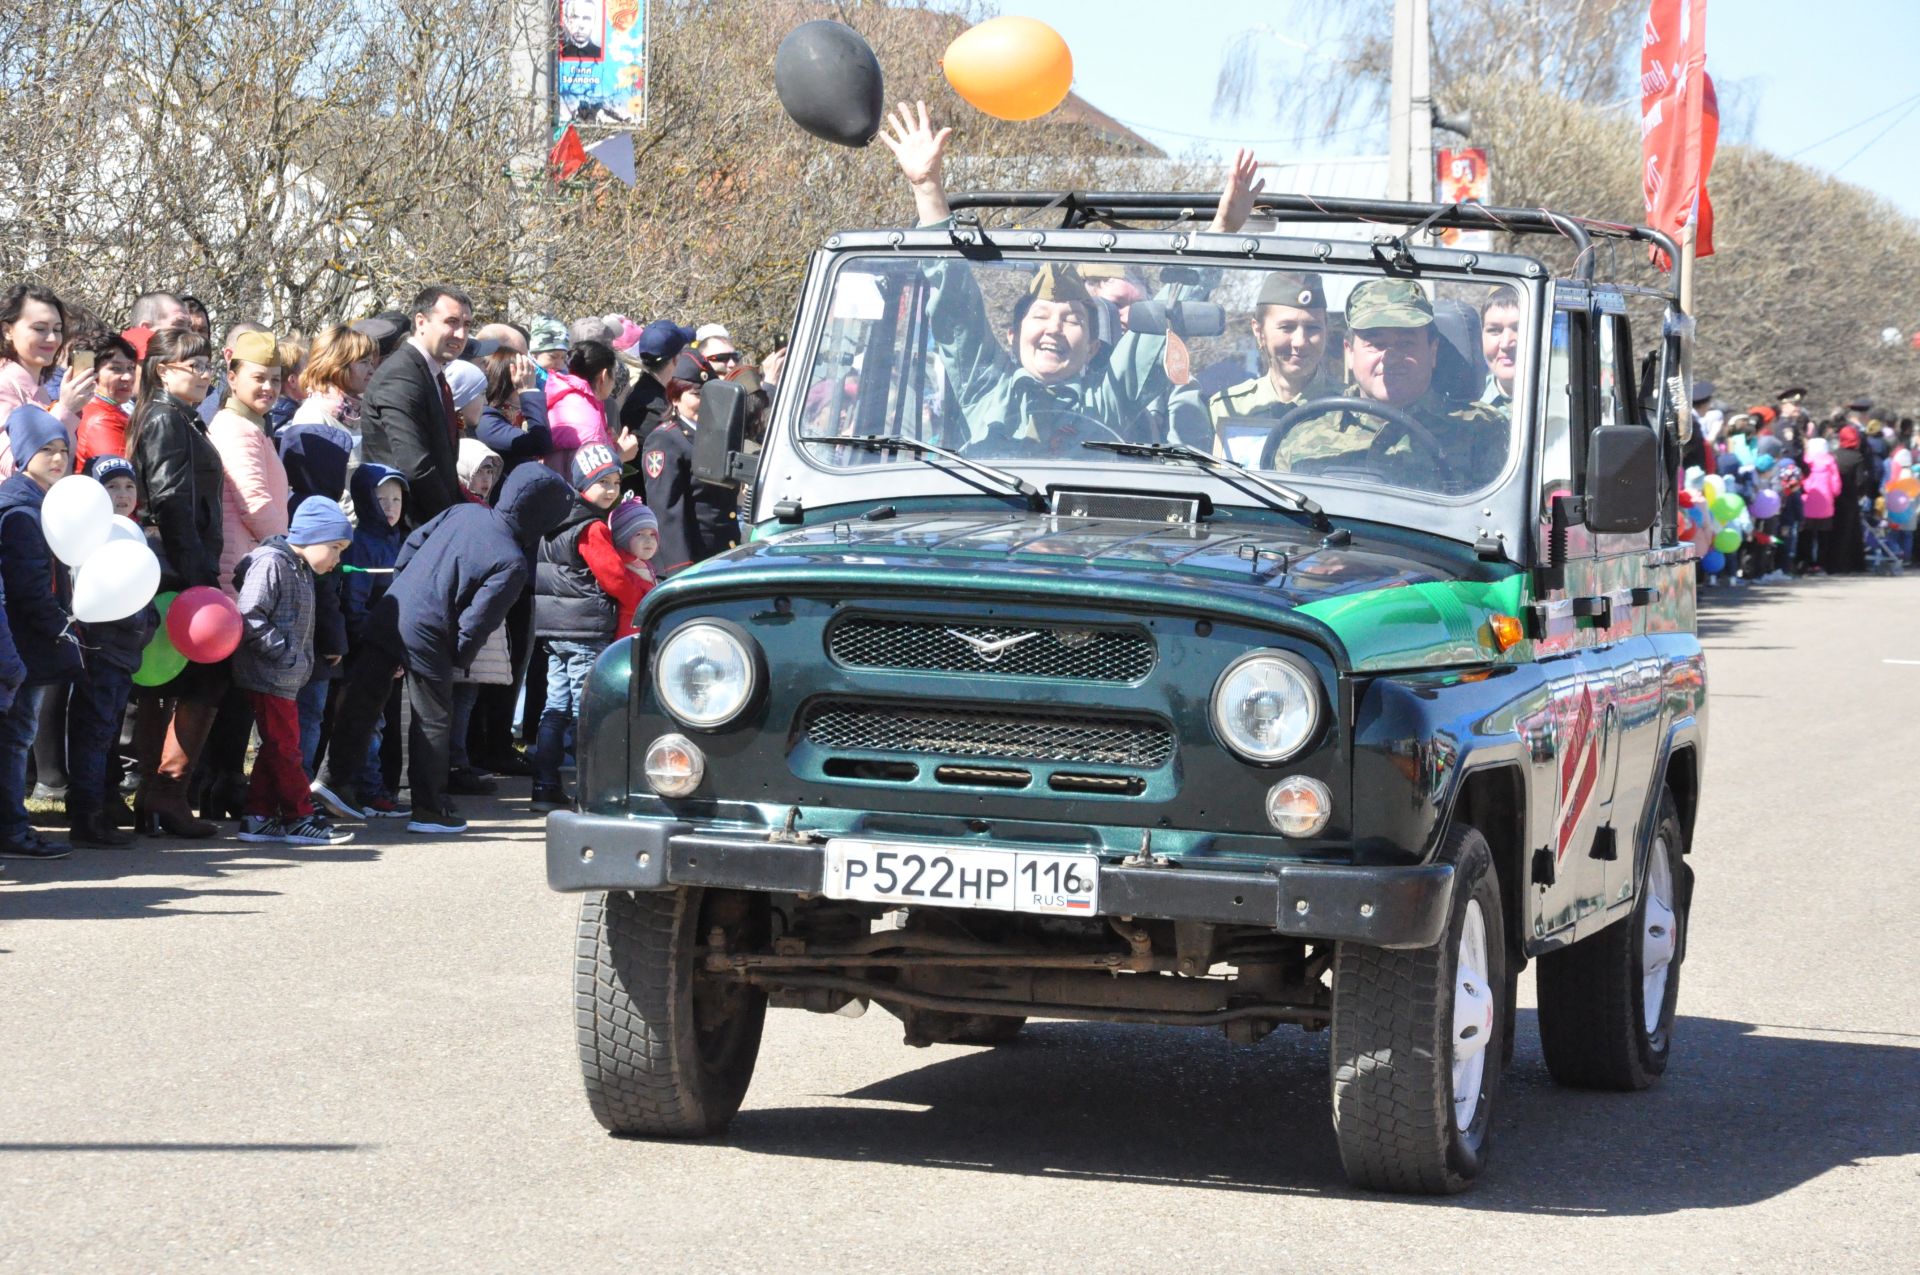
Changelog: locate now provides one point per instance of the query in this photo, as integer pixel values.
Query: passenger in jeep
(1393, 352)
(1074, 375)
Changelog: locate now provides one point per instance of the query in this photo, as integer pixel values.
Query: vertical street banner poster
(1462, 176)
(600, 61)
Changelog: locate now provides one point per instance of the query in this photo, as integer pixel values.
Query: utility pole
(1410, 110)
(530, 62)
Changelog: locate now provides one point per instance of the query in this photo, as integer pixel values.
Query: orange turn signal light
(1507, 630)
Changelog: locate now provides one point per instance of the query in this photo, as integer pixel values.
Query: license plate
(963, 877)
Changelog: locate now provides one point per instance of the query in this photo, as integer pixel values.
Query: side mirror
(1623, 479)
(717, 440)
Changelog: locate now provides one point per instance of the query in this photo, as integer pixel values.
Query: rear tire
(1417, 1039)
(665, 1051)
(1595, 996)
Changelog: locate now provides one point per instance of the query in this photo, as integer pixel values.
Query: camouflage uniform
(1474, 436)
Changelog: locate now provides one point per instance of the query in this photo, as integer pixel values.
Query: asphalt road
(362, 1058)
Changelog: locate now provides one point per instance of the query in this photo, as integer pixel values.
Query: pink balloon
(1898, 501)
(204, 624)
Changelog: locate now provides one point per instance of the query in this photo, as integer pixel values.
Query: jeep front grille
(992, 733)
(1008, 650)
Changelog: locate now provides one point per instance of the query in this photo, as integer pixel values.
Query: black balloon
(830, 83)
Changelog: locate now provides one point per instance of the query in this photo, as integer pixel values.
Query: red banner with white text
(1679, 120)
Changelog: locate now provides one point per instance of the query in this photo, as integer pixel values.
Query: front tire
(1416, 1044)
(1607, 1002)
(665, 1051)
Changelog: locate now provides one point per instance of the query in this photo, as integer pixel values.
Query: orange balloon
(1011, 68)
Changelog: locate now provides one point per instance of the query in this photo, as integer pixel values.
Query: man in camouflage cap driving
(1393, 350)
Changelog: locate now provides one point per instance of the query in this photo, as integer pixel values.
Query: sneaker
(550, 797)
(315, 830)
(441, 820)
(46, 799)
(385, 807)
(35, 847)
(344, 802)
(262, 828)
(468, 782)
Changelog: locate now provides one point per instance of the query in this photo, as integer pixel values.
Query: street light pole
(1410, 108)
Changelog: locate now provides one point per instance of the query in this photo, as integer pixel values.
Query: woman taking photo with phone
(33, 327)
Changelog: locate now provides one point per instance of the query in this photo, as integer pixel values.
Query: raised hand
(1237, 195)
(920, 151)
(77, 391)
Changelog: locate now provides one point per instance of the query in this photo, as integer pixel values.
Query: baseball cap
(662, 339)
(1388, 303)
(592, 463)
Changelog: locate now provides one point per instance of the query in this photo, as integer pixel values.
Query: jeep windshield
(1332, 378)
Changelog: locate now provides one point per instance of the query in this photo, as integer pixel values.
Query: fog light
(675, 765)
(1299, 806)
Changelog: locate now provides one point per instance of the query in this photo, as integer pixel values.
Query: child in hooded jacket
(479, 469)
(574, 608)
(39, 593)
(273, 663)
(379, 498)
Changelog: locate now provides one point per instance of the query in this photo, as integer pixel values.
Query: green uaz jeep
(1148, 625)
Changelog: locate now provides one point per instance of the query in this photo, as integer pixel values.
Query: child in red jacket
(623, 562)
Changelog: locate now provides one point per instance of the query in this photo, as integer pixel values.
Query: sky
(1814, 68)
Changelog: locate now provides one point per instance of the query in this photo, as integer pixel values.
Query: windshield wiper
(913, 446)
(1207, 460)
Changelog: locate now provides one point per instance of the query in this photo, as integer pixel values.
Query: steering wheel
(1398, 423)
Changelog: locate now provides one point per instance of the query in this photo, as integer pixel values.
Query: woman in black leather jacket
(180, 479)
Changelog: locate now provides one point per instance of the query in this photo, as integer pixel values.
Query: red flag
(568, 156)
(1676, 137)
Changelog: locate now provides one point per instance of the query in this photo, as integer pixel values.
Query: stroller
(1884, 557)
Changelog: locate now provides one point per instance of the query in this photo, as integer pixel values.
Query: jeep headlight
(1266, 706)
(705, 674)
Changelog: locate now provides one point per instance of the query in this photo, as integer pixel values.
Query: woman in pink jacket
(33, 327)
(577, 406)
(253, 500)
(1817, 495)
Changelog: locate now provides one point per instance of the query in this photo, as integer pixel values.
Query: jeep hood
(1377, 607)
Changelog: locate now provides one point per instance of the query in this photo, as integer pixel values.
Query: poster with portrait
(600, 61)
(1461, 175)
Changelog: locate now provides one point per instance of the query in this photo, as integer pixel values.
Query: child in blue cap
(274, 662)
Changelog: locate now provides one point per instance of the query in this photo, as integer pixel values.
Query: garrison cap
(1059, 283)
(1300, 290)
(1388, 303)
(258, 347)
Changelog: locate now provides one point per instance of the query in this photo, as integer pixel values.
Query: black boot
(94, 831)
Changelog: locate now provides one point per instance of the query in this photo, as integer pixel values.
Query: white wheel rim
(1472, 1015)
(1659, 937)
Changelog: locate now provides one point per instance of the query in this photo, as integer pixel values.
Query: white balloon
(76, 517)
(116, 581)
(125, 528)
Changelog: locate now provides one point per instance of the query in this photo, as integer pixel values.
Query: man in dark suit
(409, 421)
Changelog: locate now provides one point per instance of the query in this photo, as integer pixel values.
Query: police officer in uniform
(697, 520)
(1289, 327)
(1393, 351)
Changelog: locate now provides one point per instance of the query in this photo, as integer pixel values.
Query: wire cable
(1856, 124)
(1898, 120)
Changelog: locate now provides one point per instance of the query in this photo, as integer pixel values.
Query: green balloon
(161, 662)
(1728, 507)
(1728, 541)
